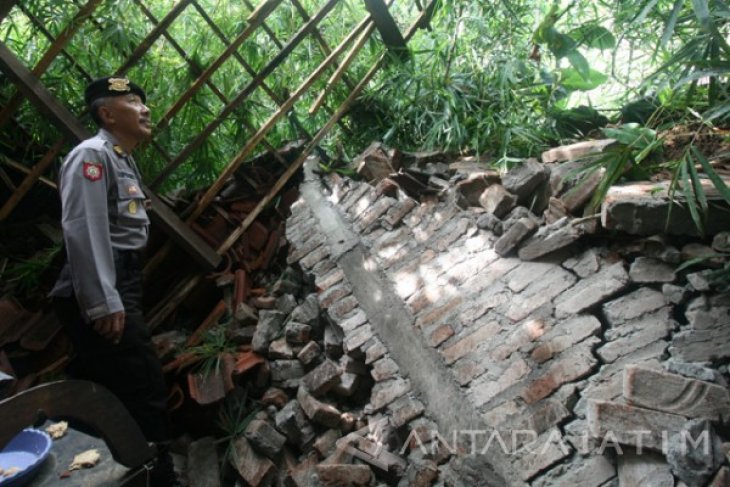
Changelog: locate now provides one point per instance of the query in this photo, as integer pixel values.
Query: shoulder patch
(93, 171)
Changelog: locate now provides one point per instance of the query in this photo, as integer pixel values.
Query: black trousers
(131, 368)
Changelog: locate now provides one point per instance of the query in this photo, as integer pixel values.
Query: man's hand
(110, 326)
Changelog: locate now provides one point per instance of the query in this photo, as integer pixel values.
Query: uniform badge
(118, 84)
(132, 207)
(133, 189)
(93, 171)
(118, 149)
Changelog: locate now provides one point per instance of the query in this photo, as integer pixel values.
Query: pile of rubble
(448, 292)
(314, 421)
(541, 207)
(250, 353)
(579, 328)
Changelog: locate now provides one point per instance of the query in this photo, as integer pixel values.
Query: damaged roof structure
(430, 322)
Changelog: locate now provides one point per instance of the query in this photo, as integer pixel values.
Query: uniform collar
(106, 135)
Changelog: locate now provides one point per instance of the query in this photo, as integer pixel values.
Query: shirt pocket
(130, 203)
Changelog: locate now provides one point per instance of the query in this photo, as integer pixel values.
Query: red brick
(572, 365)
(254, 468)
(441, 334)
(439, 312)
(470, 342)
(257, 235)
(346, 474)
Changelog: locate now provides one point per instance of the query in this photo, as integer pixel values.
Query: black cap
(111, 86)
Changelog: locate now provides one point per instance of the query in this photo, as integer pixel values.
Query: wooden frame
(337, 63)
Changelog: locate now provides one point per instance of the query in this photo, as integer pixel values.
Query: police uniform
(105, 227)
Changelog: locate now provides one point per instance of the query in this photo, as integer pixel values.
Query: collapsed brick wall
(584, 342)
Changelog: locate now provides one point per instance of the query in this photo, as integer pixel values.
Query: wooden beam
(250, 87)
(238, 159)
(197, 69)
(274, 96)
(182, 234)
(389, 30)
(296, 165)
(26, 170)
(28, 182)
(179, 294)
(251, 144)
(256, 19)
(349, 58)
(34, 90)
(175, 228)
(46, 33)
(6, 179)
(154, 34)
(53, 51)
(320, 39)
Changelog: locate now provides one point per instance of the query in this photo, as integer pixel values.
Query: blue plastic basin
(27, 451)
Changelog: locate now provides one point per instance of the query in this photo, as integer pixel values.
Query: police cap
(111, 86)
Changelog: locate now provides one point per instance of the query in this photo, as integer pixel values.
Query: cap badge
(92, 171)
(133, 207)
(118, 84)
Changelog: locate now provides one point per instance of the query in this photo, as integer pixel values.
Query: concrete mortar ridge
(393, 323)
(496, 343)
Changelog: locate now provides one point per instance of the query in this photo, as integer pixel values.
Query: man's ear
(106, 115)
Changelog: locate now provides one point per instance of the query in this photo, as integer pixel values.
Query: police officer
(99, 292)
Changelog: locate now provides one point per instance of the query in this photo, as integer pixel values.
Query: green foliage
(500, 78)
(236, 412)
(25, 275)
(633, 149)
(234, 416)
(214, 344)
(688, 182)
(506, 78)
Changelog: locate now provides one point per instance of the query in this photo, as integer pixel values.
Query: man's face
(127, 116)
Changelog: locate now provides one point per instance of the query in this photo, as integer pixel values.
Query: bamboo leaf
(689, 196)
(699, 191)
(571, 80)
(717, 112)
(579, 62)
(671, 23)
(714, 177)
(644, 12)
(594, 36)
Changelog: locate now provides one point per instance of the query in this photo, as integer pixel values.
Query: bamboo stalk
(318, 36)
(349, 58)
(198, 69)
(255, 20)
(238, 159)
(231, 240)
(42, 28)
(250, 87)
(154, 34)
(274, 96)
(35, 173)
(53, 51)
